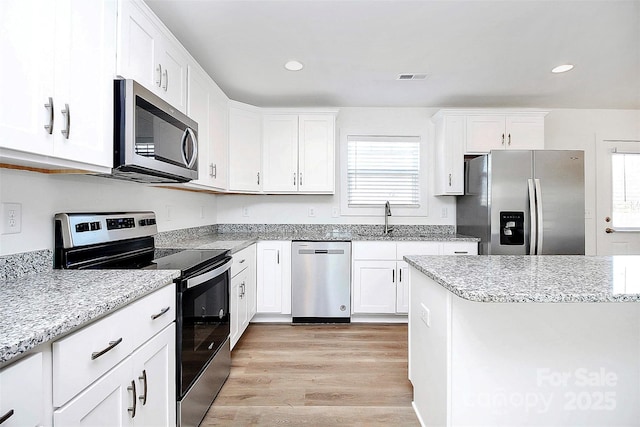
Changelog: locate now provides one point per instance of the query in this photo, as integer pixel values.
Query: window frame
(397, 210)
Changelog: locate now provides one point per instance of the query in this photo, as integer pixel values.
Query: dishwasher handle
(321, 251)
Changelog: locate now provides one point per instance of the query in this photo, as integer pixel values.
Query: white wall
(43, 195)
(279, 209)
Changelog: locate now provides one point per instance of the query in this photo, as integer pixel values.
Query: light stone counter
(37, 308)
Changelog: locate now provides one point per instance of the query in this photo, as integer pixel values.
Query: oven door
(203, 321)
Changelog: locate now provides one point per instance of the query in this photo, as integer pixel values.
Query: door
(559, 178)
(402, 287)
(270, 277)
(245, 154)
(316, 153)
(617, 211)
(374, 289)
(485, 133)
(525, 132)
(198, 109)
(280, 152)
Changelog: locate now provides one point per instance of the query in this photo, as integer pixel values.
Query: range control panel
(84, 229)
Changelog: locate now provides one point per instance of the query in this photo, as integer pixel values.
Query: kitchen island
(521, 340)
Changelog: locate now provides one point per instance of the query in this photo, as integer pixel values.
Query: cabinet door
(154, 370)
(104, 403)
(173, 60)
(21, 392)
(26, 76)
(84, 70)
(316, 142)
(280, 152)
(219, 138)
(524, 132)
(250, 289)
(450, 146)
(198, 108)
(374, 288)
(269, 277)
(485, 133)
(245, 130)
(402, 287)
(234, 307)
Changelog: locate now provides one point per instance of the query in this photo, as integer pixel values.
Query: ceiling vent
(407, 76)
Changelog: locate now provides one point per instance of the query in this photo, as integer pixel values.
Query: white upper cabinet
(299, 153)
(60, 82)
(496, 131)
(449, 143)
(149, 54)
(245, 141)
(209, 106)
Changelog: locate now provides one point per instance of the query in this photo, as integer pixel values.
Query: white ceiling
(477, 53)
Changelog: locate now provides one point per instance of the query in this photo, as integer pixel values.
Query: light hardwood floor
(320, 375)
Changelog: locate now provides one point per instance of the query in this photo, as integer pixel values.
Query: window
(625, 174)
(383, 168)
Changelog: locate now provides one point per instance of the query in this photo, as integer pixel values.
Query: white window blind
(383, 168)
(625, 171)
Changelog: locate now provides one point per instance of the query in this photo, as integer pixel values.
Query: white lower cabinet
(243, 292)
(139, 391)
(21, 393)
(380, 277)
(274, 277)
(119, 370)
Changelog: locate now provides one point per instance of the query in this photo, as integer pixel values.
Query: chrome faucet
(387, 214)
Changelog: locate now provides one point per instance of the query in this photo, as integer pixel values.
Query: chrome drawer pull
(6, 416)
(241, 261)
(67, 116)
(460, 252)
(49, 107)
(112, 344)
(132, 388)
(143, 378)
(163, 311)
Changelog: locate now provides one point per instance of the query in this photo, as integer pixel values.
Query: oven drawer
(82, 357)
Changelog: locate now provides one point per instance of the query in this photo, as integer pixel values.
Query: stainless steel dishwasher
(321, 282)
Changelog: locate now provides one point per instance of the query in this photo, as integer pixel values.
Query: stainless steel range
(126, 241)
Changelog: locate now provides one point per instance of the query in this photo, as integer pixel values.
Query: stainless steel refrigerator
(523, 202)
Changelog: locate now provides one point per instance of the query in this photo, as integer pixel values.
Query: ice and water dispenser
(511, 228)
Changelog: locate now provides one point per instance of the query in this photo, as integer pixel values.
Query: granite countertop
(541, 279)
(238, 241)
(41, 307)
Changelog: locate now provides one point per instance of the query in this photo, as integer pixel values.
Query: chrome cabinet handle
(49, 107)
(258, 178)
(393, 276)
(143, 378)
(294, 179)
(400, 274)
(278, 256)
(300, 180)
(503, 139)
(9, 414)
(166, 79)
(460, 252)
(67, 116)
(213, 170)
(241, 261)
(449, 180)
(162, 312)
(159, 78)
(111, 346)
(509, 143)
(132, 388)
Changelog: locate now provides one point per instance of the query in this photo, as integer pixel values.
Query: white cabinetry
(119, 375)
(449, 143)
(58, 91)
(486, 132)
(274, 277)
(149, 54)
(21, 393)
(209, 106)
(243, 292)
(299, 153)
(380, 283)
(245, 141)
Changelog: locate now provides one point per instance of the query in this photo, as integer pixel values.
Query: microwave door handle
(533, 235)
(188, 133)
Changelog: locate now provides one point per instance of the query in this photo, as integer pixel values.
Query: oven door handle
(205, 277)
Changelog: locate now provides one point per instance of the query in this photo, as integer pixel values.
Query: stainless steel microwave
(153, 141)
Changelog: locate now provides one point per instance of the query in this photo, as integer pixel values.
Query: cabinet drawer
(241, 260)
(82, 357)
(374, 250)
(460, 248)
(21, 392)
(417, 248)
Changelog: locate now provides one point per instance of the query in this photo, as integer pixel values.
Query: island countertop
(538, 279)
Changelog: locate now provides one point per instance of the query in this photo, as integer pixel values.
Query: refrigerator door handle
(533, 218)
(539, 215)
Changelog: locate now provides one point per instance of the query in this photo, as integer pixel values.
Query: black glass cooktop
(190, 260)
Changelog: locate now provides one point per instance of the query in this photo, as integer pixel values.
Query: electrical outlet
(169, 212)
(245, 211)
(312, 211)
(445, 213)
(202, 212)
(11, 218)
(335, 212)
(425, 315)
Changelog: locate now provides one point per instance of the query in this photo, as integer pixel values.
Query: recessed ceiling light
(562, 68)
(294, 65)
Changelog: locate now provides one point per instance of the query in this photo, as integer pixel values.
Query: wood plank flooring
(319, 375)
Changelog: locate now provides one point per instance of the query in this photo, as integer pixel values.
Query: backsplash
(365, 229)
